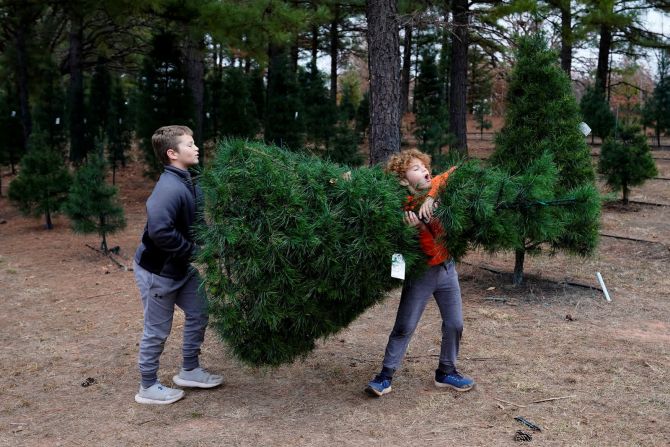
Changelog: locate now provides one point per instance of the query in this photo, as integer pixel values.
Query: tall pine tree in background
(542, 118)
(163, 96)
(118, 129)
(49, 111)
(596, 113)
(480, 89)
(432, 120)
(92, 205)
(320, 114)
(43, 181)
(347, 137)
(283, 112)
(99, 102)
(12, 142)
(231, 106)
(656, 109)
(625, 160)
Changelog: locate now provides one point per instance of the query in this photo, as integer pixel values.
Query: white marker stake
(602, 284)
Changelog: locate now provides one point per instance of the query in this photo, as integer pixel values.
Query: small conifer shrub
(43, 181)
(626, 160)
(92, 206)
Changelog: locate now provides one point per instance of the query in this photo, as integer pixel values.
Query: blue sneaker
(453, 380)
(378, 386)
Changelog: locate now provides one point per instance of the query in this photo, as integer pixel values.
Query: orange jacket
(432, 234)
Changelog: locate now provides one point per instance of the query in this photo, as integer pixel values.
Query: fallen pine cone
(522, 436)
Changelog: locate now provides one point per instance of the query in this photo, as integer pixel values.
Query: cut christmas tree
(293, 251)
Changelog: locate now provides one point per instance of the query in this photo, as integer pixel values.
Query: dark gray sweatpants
(441, 281)
(159, 296)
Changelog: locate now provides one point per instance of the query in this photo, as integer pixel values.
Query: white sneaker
(158, 394)
(197, 378)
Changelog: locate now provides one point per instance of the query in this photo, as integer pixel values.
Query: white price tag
(586, 130)
(397, 266)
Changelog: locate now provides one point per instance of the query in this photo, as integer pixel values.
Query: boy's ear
(172, 155)
(404, 182)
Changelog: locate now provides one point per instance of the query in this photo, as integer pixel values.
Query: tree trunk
(518, 266)
(459, 77)
(406, 69)
(103, 244)
(195, 77)
(334, 52)
(566, 38)
(604, 48)
(384, 66)
(625, 194)
(47, 216)
(76, 88)
(315, 45)
(22, 31)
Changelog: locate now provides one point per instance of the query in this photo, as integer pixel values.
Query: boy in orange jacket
(412, 168)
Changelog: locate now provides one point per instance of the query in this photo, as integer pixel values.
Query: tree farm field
(71, 322)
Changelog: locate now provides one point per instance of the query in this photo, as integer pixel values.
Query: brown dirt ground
(70, 314)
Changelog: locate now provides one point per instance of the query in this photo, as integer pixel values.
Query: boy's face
(417, 176)
(185, 154)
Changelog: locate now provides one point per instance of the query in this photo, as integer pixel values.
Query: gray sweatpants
(159, 296)
(441, 281)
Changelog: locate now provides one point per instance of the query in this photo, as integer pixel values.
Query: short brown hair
(165, 138)
(398, 164)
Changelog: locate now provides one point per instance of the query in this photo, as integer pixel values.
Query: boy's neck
(179, 166)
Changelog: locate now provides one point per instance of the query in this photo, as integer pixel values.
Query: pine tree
(283, 113)
(596, 113)
(319, 113)
(656, 109)
(432, 120)
(49, 112)
(286, 233)
(10, 125)
(118, 130)
(43, 181)
(543, 118)
(346, 140)
(626, 160)
(99, 102)
(480, 89)
(91, 205)
(163, 94)
(239, 117)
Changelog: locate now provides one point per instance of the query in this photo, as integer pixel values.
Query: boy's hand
(426, 210)
(347, 176)
(411, 219)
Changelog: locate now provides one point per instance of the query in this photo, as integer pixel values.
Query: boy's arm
(161, 216)
(426, 210)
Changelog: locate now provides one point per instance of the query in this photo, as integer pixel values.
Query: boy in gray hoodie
(164, 273)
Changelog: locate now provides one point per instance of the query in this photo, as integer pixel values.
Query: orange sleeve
(439, 181)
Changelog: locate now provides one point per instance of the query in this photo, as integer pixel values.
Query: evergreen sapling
(626, 160)
(92, 206)
(42, 184)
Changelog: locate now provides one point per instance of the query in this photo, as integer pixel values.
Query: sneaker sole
(374, 393)
(191, 384)
(446, 385)
(144, 400)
